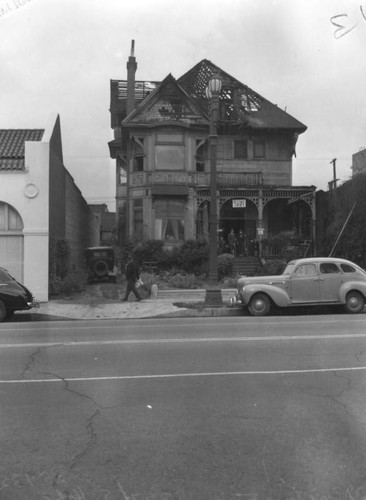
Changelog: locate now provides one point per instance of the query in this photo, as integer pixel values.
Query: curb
(208, 312)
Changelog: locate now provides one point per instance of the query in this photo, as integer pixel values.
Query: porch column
(260, 222)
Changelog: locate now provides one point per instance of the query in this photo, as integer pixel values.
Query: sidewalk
(163, 306)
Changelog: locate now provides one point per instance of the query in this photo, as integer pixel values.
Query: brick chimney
(131, 70)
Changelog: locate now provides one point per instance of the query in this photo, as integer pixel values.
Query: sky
(308, 57)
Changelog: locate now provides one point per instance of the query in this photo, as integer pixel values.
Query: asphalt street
(186, 409)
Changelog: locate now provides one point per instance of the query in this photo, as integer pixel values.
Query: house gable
(168, 104)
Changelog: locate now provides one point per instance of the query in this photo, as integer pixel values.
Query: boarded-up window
(240, 150)
(259, 148)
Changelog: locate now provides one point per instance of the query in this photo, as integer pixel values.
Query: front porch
(261, 221)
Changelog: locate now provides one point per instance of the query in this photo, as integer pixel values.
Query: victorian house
(161, 147)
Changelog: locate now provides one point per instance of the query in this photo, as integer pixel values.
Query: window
(259, 148)
(10, 220)
(121, 169)
(169, 219)
(169, 152)
(347, 269)
(328, 268)
(200, 157)
(169, 157)
(240, 150)
(138, 155)
(305, 270)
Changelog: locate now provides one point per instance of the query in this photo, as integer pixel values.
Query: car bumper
(33, 303)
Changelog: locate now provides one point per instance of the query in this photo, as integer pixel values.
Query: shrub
(148, 251)
(273, 267)
(183, 281)
(192, 256)
(225, 264)
(75, 280)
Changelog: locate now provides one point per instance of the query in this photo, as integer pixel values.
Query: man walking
(132, 275)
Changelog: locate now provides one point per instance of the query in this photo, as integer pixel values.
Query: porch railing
(303, 249)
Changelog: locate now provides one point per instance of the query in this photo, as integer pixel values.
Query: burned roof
(12, 146)
(240, 105)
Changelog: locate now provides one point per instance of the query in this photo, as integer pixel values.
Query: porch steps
(248, 266)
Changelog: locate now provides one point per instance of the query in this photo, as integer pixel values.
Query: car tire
(100, 268)
(259, 305)
(2, 310)
(355, 302)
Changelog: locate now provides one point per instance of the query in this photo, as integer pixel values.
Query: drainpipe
(130, 106)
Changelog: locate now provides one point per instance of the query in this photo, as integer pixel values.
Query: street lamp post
(213, 296)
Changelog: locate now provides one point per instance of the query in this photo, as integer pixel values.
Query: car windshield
(289, 268)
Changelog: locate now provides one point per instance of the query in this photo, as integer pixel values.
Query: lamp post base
(213, 297)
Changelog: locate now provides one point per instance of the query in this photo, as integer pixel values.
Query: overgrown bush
(352, 242)
(75, 281)
(59, 257)
(192, 256)
(148, 251)
(187, 281)
(273, 267)
(225, 263)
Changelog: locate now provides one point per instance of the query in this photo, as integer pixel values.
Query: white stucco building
(39, 201)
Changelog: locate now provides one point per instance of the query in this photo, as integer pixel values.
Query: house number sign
(239, 203)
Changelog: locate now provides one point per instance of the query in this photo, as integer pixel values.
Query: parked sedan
(306, 282)
(13, 296)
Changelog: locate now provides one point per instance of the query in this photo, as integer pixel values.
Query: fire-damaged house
(161, 147)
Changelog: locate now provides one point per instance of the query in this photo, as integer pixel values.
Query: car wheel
(259, 305)
(354, 302)
(100, 268)
(2, 310)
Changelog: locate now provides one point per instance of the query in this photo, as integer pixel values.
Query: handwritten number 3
(341, 30)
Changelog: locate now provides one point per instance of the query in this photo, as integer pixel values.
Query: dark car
(306, 282)
(13, 296)
(100, 263)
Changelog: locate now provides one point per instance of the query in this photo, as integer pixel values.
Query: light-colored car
(306, 282)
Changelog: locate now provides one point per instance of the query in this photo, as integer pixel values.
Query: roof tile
(12, 146)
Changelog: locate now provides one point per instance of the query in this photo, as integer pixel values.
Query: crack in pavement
(80, 394)
(30, 362)
(92, 442)
(93, 438)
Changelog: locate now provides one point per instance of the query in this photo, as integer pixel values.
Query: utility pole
(333, 184)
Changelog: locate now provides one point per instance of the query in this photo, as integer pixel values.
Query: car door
(305, 284)
(331, 278)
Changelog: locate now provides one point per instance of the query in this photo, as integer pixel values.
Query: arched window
(11, 241)
(10, 220)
